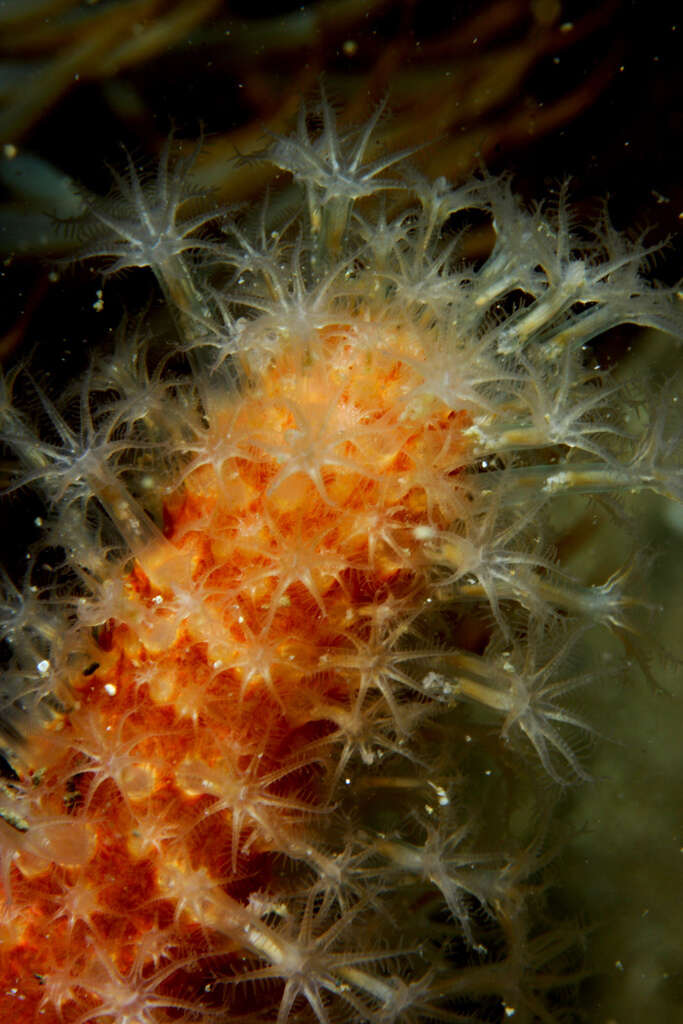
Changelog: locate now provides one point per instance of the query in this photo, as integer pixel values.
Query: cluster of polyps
(307, 647)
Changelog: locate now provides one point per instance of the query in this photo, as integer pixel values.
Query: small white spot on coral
(555, 482)
(424, 532)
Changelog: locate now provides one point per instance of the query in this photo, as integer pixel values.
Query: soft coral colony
(308, 649)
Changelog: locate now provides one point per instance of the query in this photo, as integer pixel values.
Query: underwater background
(542, 90)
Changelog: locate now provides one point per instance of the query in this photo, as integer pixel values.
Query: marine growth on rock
(290, 681)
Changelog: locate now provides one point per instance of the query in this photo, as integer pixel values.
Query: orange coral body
(201, 746)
